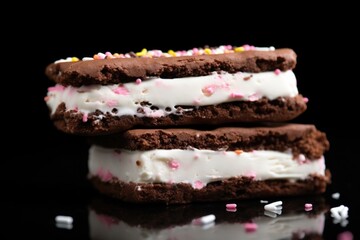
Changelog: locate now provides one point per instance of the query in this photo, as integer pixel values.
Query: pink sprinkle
(196, 156)
(308, 206)
(104, 175)
(76, 109)
(277, 71)
(138, 81)
(250, 227)
(251, 175)
(347, 235)
(301, 159)
(231, 209)
(246, 47)
(56, 88)
(208, 91)
(121, 90)
(231, 205)
(253, 97)
(306, 100)
(173, 164)
(197, 101)
(46, 98)
(236, 95)
(198, 184)
(111, 103)
(85, 117)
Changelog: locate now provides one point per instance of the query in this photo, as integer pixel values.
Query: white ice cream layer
(198, 167)
(158, 97)
(281, 227)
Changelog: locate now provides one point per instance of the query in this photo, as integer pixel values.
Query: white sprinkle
(64, 219)
(264, 201)
(205, 219)
(335, 195)
(272, 207)
(340, 212)
(270, 214)
(64, 225)
(87, 58)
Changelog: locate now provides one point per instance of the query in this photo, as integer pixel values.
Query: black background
(45, 168)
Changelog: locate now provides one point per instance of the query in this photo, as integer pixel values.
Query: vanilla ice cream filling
(198, 167)
(281, 227)
(158, 97)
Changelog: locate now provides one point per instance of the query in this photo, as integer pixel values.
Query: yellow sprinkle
(172, 53)
(74, 59)
(142, 53)
(238, 151)
(239, 49)
(207, 51)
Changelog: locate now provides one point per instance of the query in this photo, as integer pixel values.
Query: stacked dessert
(205, 124)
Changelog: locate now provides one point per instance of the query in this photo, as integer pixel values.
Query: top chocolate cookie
(115, 70)
(111, 93)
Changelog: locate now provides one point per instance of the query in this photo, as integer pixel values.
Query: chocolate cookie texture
(123, 70)
(111, 95)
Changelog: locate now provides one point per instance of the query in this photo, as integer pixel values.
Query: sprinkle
(104, 175)
(340, 212)
(231, 209)
(56, 88)
(272, 214)
(64, 222)
(64, 219)
(111, 103)
(335, 195)
(121, 90)
(239, 49)
(85, 117)
(174, 164)
(253, 97)
(306, 100)
(308, 206)
(46, 98)
(231, 205)
(347, 235)
(204, 220)
(138, 81)
(264, 201)
(277, 71)
(198, 184)
(87, 58)
(172, 53)
(208, 91)
(144, 53)
(238, 151)
(250, 227)
(273, 207)
(236, 95)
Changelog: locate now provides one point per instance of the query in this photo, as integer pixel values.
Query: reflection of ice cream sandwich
(186, 165)
(153, 89)
(115, 220)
